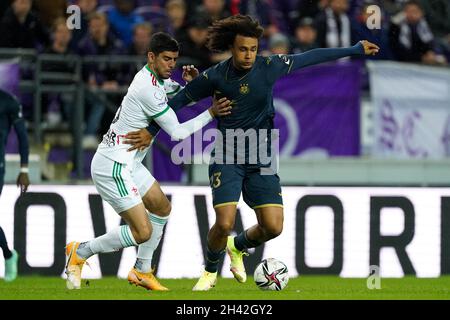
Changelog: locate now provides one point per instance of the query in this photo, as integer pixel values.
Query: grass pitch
(300, 288)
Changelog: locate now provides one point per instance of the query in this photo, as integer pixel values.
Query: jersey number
(215, 180)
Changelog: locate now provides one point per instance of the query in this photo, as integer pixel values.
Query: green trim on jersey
(175, 91)
(161, 113)
(154, 74)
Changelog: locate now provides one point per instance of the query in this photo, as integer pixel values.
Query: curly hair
(222, 33)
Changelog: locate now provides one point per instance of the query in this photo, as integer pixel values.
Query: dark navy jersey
(251, 91)
(11, 115)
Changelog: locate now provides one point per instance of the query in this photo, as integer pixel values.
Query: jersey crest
(244, 89)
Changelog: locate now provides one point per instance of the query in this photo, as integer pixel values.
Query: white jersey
(145, 100)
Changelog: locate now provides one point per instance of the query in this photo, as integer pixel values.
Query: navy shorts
(227, 181)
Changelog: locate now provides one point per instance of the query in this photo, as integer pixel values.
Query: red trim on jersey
(153, 79)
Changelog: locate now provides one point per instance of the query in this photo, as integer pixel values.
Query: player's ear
(151, 56)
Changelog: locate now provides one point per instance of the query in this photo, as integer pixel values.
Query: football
(271, 274)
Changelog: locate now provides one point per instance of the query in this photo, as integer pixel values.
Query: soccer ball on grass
(271, 274)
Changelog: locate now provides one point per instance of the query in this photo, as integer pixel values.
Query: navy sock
(213, 259)
(4, 245)
(242, 242)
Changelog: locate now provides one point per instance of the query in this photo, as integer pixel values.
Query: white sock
(114, 240)
(146, 249)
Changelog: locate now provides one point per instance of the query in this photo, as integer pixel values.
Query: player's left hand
(23, 182)
(138, 139)
(221, 107)
(190, 73)
(370, 49)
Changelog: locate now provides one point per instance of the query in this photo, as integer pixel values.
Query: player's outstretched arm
(179, 131)
(316, 56)
(142, 138)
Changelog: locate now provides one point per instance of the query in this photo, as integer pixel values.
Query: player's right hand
(221, 107)
(138, 139)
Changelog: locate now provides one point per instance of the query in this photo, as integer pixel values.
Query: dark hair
(413, 3)
(222, 33)
(163, 42)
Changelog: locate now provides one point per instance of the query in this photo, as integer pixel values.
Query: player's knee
(273, 231)
(224, 228)
(161, 209)
(143, 234)
(166, 209)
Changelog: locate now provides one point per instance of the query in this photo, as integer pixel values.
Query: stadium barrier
(327, 230)
(37, 79)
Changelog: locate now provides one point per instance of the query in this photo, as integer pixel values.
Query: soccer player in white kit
(119, 175)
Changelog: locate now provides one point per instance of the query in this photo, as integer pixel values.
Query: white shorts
(119, 184)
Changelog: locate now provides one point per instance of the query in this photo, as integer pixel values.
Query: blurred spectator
(411, 38)
(87, 7)
(123, 19)
(333, 25)
(361, 31)
(193, 48)
(142, 34)
(99, 75)
(60, 106)
(99, 41)
(20, 28)
(141, 43)
(176, 14)
(192, 6)
(392, 7)
(437, 13)
(4, 5)
(61, 36)
(259, 10)
(305, 36)
(285, 14)
(279, 44)
(310, 8)
(48, 10)
(215, 9)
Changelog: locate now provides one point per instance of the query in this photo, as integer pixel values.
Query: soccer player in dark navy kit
(11, 115)
(247, 80)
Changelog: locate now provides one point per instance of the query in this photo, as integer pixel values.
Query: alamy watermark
(374, 20)
(230, 146)
(374, 279)
(74, 20)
